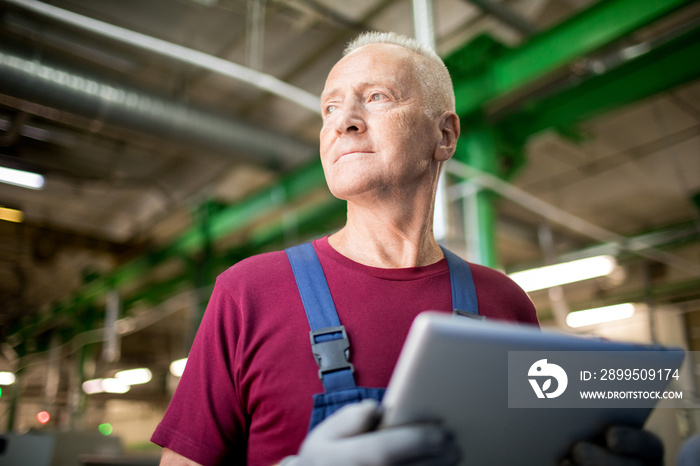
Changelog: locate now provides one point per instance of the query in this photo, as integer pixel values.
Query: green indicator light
(105, 429)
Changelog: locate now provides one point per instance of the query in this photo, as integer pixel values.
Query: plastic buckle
(458, 313)
(331, 355)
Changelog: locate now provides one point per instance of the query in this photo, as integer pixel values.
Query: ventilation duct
(40, 79)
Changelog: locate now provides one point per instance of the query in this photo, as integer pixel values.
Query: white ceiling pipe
(564, 218)
(196, 58)
(53, 83)
(424, 30)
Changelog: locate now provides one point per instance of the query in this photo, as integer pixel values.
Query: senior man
(251, 389)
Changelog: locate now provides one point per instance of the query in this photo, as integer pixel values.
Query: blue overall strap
(464, 301)
(329, 341)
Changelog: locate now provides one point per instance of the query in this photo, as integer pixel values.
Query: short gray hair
(434, 77)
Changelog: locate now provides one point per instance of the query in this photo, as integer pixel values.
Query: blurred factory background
(169, 139)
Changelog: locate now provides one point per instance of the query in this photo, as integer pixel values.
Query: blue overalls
(329, 341)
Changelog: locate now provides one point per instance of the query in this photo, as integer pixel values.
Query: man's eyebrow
(388, 83)
(326, 94)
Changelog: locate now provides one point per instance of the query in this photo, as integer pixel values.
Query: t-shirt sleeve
(205, 421)
(501, 298)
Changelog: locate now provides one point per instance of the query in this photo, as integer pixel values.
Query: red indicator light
(43, 417)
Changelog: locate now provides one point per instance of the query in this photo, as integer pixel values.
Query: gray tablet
(512, 394)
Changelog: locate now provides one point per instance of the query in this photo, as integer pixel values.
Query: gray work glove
(690, 452)
(624, 446)
(347, 437)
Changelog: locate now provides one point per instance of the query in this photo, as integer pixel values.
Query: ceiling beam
(566, 219)
(661, 68)
(672, 293)
(587, 31)
(505, 16)
(674, 236)
(175, 52)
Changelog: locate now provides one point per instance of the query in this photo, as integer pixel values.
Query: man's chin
(354, 192)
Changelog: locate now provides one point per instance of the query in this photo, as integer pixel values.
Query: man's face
(376, 135)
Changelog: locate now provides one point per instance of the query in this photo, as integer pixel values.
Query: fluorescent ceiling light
(566, 272)
(134, 376)
(114, 386)
(7, 378)
(178, 367)
(11, 215)
(600, 314)
(93, 386)
(21, 178)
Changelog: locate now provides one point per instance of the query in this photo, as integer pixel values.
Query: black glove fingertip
(635, 442)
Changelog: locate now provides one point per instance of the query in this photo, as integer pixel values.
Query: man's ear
(449, 130)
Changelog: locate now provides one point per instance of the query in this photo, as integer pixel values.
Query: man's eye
(330, 109)
(376, 97)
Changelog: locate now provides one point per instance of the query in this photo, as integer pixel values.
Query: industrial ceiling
(179, 136)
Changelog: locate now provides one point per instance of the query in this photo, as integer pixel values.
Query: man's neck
(388, 237)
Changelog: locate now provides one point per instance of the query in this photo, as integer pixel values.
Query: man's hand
(624, 446)
(347, 438)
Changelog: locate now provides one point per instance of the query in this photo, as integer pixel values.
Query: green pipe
(229, 219)
(285, 190)
(478, 148)
(319, 216)
(586, 32)
(314, 219)
(13, 403)
(245, 213)
(664, 67)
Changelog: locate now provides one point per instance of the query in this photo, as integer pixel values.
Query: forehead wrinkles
(377, 66)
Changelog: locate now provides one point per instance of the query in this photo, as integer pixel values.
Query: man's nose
(351, 119)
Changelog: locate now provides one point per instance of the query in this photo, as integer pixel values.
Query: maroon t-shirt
(246, 394)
